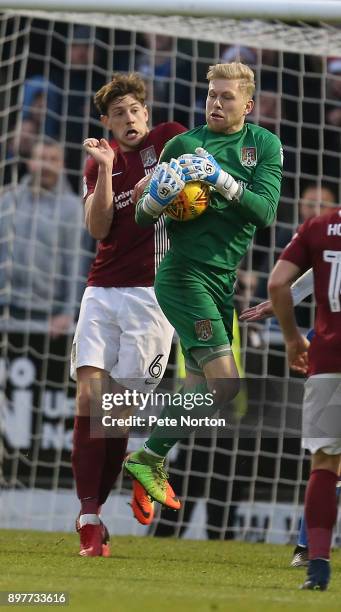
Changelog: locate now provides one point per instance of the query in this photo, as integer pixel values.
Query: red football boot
(89, 540)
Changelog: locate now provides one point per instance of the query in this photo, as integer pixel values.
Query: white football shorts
(321, 424)
(122, 330)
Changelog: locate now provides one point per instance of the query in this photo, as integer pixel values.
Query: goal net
(249, 485)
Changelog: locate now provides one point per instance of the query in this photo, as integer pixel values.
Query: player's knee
(321, 460)
(90, 388)
(224, 389)
(83, 401)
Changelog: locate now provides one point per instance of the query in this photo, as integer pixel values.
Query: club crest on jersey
(148, 157)
(203, 329)
(248, 156)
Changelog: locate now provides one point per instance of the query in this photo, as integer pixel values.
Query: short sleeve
(298, 250)
(89, 178)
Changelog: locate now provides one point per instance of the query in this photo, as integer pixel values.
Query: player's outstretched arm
(300, 289)
(260, 312)
(203, 167)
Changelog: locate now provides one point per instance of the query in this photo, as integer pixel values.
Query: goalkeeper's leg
(198, 303)
(218, 385)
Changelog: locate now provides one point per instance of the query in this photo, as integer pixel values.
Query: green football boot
(149, 471)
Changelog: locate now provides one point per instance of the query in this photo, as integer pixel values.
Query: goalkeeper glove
(203, 167)
(166, 183)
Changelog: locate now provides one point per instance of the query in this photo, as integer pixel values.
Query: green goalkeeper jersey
(222, 234)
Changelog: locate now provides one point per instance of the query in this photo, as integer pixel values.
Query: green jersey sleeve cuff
(141, 217)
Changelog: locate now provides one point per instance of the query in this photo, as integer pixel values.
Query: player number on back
(334, 288)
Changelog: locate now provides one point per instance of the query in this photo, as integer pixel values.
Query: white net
(51, 65)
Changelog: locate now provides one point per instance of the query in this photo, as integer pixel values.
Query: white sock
(88, 519)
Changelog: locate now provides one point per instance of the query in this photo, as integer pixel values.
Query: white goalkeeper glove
(166, 183)
(203, 167)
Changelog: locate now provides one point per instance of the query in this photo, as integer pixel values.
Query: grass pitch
(162, 575)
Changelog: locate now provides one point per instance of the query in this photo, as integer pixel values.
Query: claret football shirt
(317, 245)
(129, 255)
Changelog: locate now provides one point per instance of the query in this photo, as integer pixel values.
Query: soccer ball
(191, 202)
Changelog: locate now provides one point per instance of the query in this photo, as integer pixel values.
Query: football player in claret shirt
(242, 164)
(316, 200)
(316, 245)
(122, 335)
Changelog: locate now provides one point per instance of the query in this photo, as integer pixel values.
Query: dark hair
(121, 85)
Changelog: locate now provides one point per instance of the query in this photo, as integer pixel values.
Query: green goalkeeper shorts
(197, 300)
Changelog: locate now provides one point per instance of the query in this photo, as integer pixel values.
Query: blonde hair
(237, 71)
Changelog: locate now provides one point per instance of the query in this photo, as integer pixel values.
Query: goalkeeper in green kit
(242, 164)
